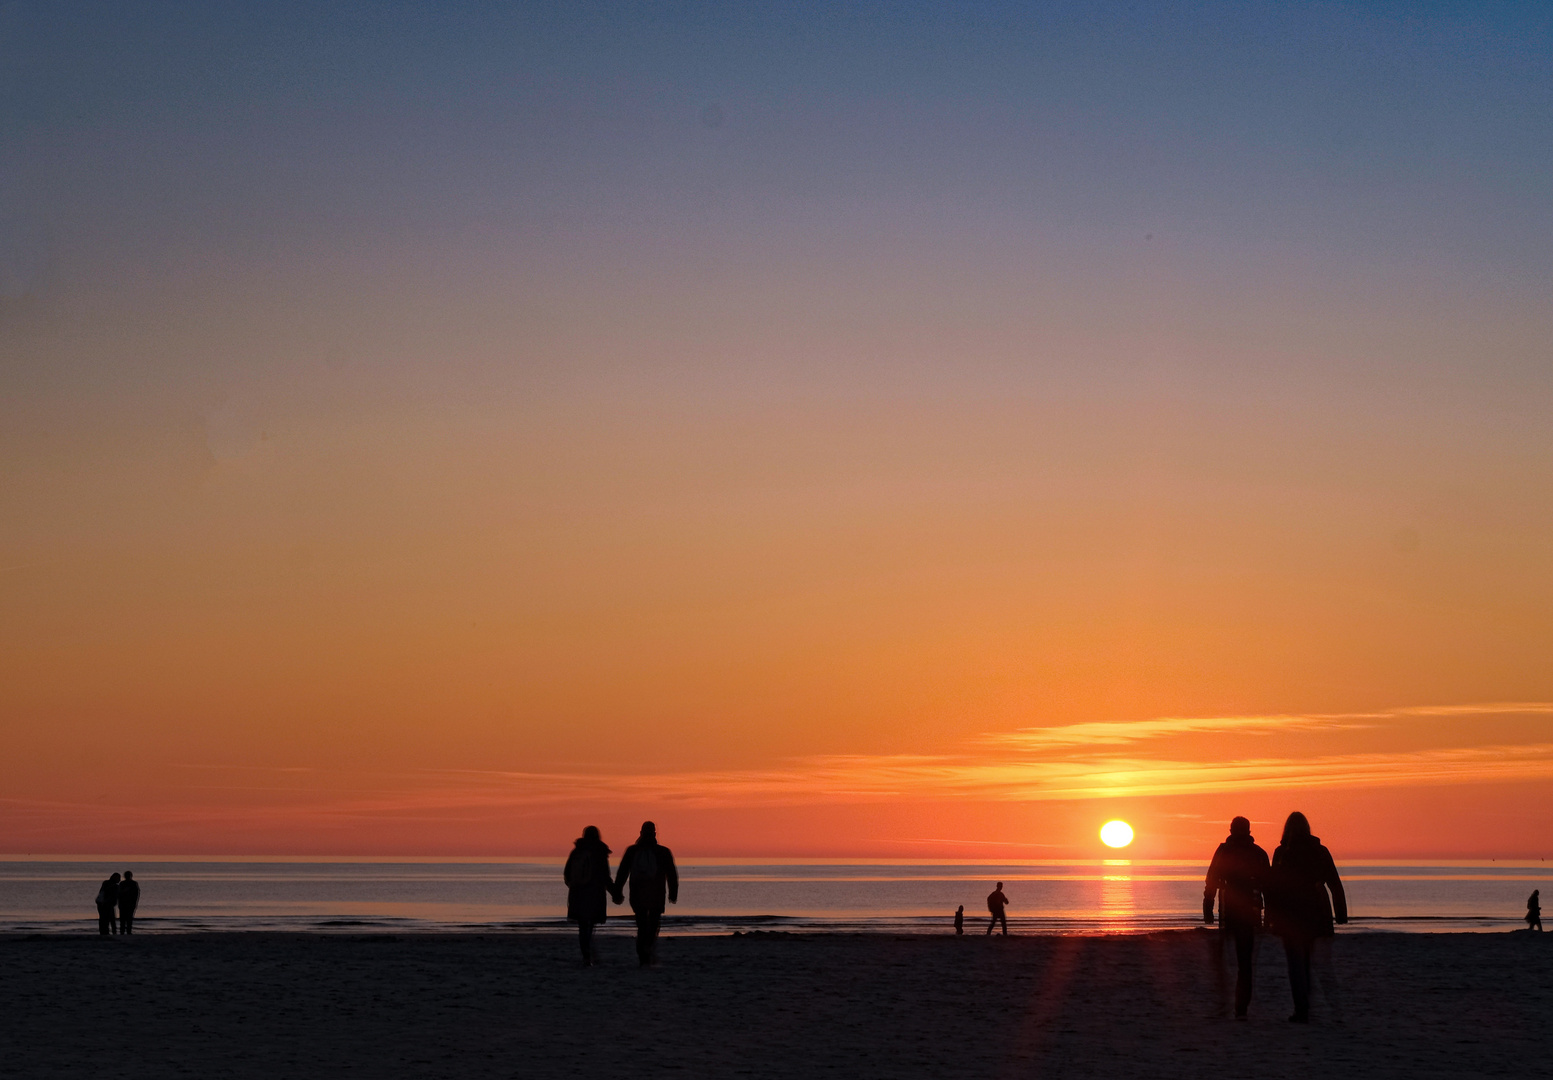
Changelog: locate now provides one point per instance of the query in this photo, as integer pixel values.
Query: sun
(1116, 834)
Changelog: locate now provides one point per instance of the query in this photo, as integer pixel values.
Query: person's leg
(1297, 952)
(1326, 975)
(1003, 918)
(992, 922)
(652, 938)
(104, 917)
(127, 921)
(585, 940)
(1245, 957)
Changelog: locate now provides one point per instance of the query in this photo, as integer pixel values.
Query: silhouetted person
(1534, 911)
(129, 899)
(107, 898)
(959, 919)
(1298, 910)
(588, 886)
(996, 902)
(1236, 876)
(648, 867)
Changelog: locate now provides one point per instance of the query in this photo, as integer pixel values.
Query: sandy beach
(252, 1005)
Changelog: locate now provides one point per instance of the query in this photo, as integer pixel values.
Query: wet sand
(471, 1006)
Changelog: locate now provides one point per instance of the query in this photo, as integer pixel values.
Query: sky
(847, 430)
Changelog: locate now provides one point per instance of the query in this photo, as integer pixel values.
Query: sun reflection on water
(1118, 905)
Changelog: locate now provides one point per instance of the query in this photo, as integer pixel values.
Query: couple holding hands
(647, 867)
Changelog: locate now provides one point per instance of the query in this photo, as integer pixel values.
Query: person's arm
(1335, 883)
(1211, 887)
(566, 871)
(668, 857)
(623, 874)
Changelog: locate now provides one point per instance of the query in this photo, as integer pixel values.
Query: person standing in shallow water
(1534, 912)
(959, 919)
(1298, 910)
(587, 886)
(107, 897)
(1236, 877)
(129, 900)
(996, 902)
(648, 867)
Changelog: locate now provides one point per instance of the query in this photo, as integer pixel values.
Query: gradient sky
(885, 430)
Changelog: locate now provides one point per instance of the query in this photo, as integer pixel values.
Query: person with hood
(107, 897)
(1534, 911)
(648, 867)
(1298, 909)
(1236, 877)
(587, 884)
(129, 900)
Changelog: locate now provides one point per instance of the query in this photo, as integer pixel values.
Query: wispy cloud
(1079, 761)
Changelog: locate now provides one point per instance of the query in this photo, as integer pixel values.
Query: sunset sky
(891, 430)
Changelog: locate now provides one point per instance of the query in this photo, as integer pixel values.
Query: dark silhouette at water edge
(1299, 911)
(648, 868)
(1236, 878)
(107, 900)
(588, 886)
(996, 902)
(129, 900)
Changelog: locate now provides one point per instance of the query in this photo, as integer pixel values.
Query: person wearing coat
(129, 900)
(1236, 877)
(107, 898)
(1298, 908)
(648, 867)
(587, 884)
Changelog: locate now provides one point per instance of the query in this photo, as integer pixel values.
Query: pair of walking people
(647, 869)
(1288, 894)
(117, 899)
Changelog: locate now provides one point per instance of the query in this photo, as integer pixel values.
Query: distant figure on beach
(1236, 877)
(996, 902)
(588, 885)
(129, 900)
(1534, 912)
(1299, 912)
(959, 919)
(648, 867)
(107, 898)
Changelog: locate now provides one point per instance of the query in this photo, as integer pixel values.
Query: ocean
(720, 896)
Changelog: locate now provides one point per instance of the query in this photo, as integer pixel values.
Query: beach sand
(472, 1006)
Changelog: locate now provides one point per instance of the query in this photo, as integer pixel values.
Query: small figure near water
(1534, 912)
(587, 885)
(959, 919)
(996, 902)
(1299, 912)
(129, 900)
(1236, 878)
(648, 867)
(107, 898)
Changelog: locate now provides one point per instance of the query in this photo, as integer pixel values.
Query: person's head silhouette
(591, 834)
(129, 875)
(1240, 827)
(115, 877)
(649, 833)
(1000, 885)
(1296, 829)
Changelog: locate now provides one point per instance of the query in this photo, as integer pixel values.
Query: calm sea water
(721, 896)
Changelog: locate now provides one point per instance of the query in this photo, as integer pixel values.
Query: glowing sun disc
(1116, 834)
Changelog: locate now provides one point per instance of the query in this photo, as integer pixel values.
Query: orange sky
(432, 439)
